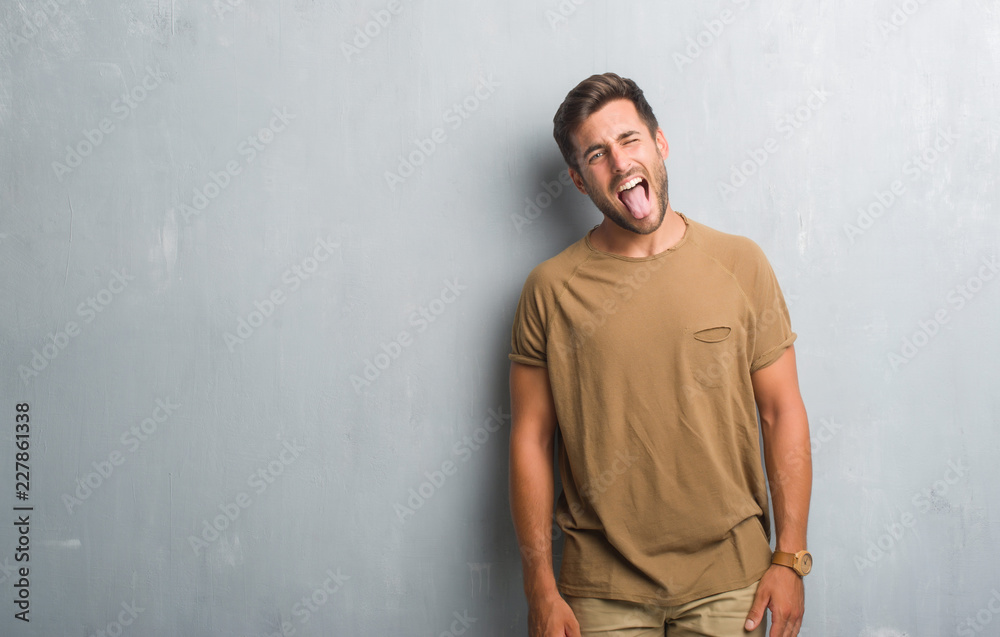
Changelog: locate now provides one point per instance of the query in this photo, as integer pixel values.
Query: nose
(620, 160)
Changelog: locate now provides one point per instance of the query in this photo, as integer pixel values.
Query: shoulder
(555, 272)
(732, 251)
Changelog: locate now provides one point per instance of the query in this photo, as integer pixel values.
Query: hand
(780, 590)
(551, 616)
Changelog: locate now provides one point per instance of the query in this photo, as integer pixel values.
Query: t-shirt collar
(673, 248)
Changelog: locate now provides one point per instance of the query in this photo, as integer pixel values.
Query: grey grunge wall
(260, 261)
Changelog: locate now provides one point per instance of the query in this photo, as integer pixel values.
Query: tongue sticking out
(637, 200)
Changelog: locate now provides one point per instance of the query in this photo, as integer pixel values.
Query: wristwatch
(801, 562)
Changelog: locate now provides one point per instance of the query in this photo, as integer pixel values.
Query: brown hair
(588, 97)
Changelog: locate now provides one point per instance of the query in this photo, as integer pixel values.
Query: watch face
(806, 563)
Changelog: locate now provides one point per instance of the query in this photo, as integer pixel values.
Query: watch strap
(783, 559)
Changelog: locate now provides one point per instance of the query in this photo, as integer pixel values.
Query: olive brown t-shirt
(649, 360)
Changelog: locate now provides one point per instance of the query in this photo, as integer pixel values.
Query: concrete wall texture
(260, 261)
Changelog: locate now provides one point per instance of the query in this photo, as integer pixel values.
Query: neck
(610, 237)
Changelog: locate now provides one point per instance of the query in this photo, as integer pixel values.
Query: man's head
(587, 98)
(609, 136)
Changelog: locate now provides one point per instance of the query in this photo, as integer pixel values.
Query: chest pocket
(713, 334)
(711, 355)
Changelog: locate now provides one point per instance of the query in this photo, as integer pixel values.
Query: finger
(798, 627)
(757, 609)
(789, 629)
(778, 626)
(792, 625)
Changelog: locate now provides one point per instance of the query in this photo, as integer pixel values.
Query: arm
(533, 426)
(785, 430)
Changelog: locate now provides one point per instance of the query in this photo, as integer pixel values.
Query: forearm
(789, 469)
(531, 499)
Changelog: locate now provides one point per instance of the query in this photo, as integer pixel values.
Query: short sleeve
(528, 337)
(771, 332)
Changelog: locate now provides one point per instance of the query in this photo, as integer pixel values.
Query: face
(621, 167)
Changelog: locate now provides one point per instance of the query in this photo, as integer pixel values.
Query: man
(651, 344)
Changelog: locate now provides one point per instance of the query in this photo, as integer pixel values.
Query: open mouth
(634, 195)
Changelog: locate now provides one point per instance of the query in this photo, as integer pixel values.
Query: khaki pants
(720, 615)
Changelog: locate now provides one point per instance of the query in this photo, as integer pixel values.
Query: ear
(577, 180)
(661, 143)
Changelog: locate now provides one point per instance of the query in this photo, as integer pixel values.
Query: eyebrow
(594, 147)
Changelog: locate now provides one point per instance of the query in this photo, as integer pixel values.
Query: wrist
(543, 597)
(540, 587)
(800, 561)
